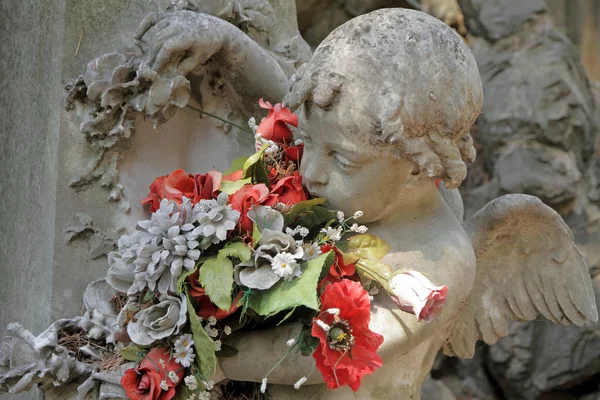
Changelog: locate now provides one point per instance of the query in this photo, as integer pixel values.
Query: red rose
(274, 127)
(272, 174)
(293, 153)
(144, 382)
(172, 187)
(206, 186)
(206, 308)
(247, 197)
(347, 351)
(289, 190)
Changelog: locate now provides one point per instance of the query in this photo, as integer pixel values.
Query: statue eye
(343, 162)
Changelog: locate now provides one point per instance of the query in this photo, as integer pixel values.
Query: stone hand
(182, 40)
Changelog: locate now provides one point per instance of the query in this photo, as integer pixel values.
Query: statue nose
(314, 174)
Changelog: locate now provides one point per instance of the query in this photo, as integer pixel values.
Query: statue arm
(259, 351)
(184, 42)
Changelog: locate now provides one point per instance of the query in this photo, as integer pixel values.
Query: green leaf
(236, 165)
(148, 296)
(317, 216)
(301, 208)
(375, 270)
(231, 187)
(227, 351)
(206, 360)
(237, 250)
(254, 167)
(130, 353)
(368, 246)
(300, 291)
(216, 277)
(287, 316)
(181, 280)
(307, 343)
(183, 393)
(255, 235)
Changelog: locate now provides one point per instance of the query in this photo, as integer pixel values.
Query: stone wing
(527, 264)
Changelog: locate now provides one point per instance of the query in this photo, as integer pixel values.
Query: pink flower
(415, 294)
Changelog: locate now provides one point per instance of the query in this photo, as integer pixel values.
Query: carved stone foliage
(157, 79)
(68, 351)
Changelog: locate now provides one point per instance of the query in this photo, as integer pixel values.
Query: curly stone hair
(422, 78)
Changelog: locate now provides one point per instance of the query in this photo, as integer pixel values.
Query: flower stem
(219, 118)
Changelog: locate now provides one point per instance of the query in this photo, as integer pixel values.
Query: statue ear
(413, 176)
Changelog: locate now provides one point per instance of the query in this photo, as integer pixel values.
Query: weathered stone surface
(436, 390)
(30, 65)
(496, 19)
(539, 357)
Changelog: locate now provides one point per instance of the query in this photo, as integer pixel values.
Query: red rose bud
(274, 126)
(206, 186)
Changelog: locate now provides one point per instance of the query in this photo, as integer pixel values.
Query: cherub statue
(385, 106)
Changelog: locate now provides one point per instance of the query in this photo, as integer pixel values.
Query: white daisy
(185, 357)
(311, 251)
(184, 342)
(284, 265)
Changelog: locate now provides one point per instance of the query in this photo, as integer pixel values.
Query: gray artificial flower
(156, 253)
(257, 273)
(159, 321)
(266, 217)
(216, 218)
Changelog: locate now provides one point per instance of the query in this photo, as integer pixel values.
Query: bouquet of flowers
(250, 245)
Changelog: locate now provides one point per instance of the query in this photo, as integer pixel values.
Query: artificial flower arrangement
(250, 245)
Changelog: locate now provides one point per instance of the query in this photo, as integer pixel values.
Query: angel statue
(385, 107)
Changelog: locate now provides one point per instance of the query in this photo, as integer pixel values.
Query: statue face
(343, 162)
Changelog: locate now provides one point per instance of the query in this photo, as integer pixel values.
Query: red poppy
(206, 185)
(144, 382)
(338, 269)
(347, 350)
(289, 190)
(206, 308)
(274, 127)
(247, 197)
(172, 187)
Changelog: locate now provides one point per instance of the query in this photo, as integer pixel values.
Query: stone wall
(30, 92)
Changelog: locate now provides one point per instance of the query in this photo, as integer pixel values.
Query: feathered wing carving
(527, 264)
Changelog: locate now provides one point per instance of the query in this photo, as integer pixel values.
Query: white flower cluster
(155, 255)
(299, 230)
(184, 354)
(359, 228)
(209, 327)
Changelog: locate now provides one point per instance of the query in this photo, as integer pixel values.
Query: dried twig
(78, 44)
